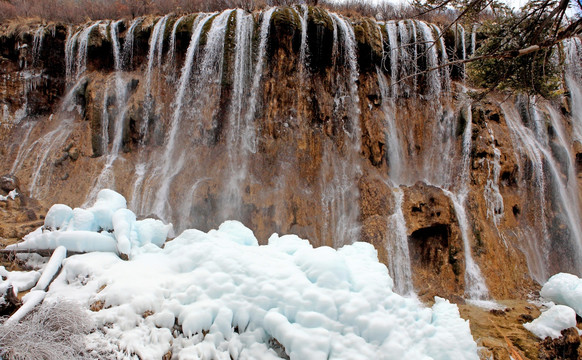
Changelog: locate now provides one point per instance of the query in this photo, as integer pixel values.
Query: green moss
(206, 30)
(453, 254)
(186, 23)
(286, 17)
(229, 50)
(320, 17)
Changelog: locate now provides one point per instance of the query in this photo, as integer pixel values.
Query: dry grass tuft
(53, 331)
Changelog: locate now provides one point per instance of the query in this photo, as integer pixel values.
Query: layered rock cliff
(297, 120)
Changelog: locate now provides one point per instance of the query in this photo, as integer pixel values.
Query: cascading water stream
(171, 56)
(445, 71)
(397, 248)
(394, 52)
(128, 43)
(250, 139)
(82, 41)
(475, 287)
(105, 121)
(21, 149)
(303, 51)
(573, 74)
(537, 253)
(107, 176)
(169, 165)
(340, 173)
(52, 140)
(239, 129)
(431, 53)
(394, 147)
(37, 44)
(568, 190)
(492, 196)
(154, 53)
(139, 198)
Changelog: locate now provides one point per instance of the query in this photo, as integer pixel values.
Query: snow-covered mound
(221, 295)
(107, 226)
(565, 289)
(552, 321)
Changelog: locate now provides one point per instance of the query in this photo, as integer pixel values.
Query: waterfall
(21, 149)
(37, 44)
(408, 57)
(303, 51)
(239, 130)
(105, 120)
(393, 151)
(491, 193)
(475, 287)
(63, 125)
(107, 176)
(80, 61)
(431, 53)
(397, 248)
(182, 87)
(394, 52)
(445, 71)
(537, 250)
(567, 189)
(250, 141)
(573, 52)
(460, 37)
(154, 53)
(128, 43)
(214, 39)
(171, 57)
(340, 173)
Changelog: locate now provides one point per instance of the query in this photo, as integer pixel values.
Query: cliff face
(296, 120)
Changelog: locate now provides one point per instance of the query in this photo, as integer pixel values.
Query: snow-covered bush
(55, 330)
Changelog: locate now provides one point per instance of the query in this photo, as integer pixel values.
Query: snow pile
(565, 289)
(11, 195)
(19, 280)
(552, 321)
(107, 226)
(220, 295)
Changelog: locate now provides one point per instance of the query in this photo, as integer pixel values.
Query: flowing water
(213, 102)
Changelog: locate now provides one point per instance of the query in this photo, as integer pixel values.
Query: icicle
(37, 44)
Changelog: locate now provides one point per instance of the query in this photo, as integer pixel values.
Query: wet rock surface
(319, 159)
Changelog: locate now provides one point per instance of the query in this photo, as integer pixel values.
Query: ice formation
(552, 321)
(107, 226)
(565, 289)
(221, 295)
